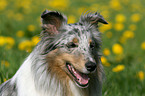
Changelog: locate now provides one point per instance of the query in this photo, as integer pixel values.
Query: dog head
(72, 50)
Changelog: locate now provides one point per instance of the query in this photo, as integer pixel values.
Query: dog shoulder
(8, 89)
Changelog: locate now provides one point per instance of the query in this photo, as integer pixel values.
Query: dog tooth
(73, 69)
(75, 72)
(79, 80)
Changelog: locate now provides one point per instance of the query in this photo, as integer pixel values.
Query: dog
(66, 61)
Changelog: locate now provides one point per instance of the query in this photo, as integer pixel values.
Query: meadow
(123, 46)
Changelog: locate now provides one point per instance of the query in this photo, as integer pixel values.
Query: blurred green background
(123, 38)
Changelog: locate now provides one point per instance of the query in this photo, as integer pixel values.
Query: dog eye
(71, 45)
(92, 45)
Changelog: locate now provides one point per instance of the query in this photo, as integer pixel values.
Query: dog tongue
(82, 78)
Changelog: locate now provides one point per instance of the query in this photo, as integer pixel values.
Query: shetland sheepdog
(66, 61)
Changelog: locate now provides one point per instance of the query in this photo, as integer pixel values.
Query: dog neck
(49, 84)
(64, 87)
(37, 81)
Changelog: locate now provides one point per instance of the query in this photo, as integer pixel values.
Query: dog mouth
(81, 79)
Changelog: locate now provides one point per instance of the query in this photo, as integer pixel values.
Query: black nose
(91, 66)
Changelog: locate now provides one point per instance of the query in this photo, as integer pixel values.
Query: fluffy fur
(49, 69)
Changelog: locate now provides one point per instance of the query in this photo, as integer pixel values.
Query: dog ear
(52, 21)
(92, 18)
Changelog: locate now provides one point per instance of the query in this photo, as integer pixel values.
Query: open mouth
(81, 79)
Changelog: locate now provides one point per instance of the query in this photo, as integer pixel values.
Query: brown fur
(90, 41)
(51, 29)
(57, 58)
(75, 40)
(57, 64)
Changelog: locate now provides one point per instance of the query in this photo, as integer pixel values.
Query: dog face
(72, 50)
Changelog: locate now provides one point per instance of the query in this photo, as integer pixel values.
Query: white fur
(26, 85)
(24, 80)
(75, 90)
(33, 77)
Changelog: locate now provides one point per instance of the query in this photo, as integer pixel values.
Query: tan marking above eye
(75, 40)
(90, 41)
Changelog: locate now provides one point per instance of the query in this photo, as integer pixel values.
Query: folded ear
(92, 18)
(52, 21)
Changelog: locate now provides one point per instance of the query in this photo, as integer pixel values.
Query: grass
(24, 16)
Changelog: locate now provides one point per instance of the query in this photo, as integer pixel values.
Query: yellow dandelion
(35, 40)
(9, 42)
(103, 60)
(107, 64)
(5, 79)
(106, 52)
(115, 4)
(104, 28)
(29, 50)
(20, 33)
(109, 34)
(26, 45)
(118, 26)
(3, 4)
(59, 4)
(117, 49)
(71, 19)
(128, 34)
(135, 17)
(2, 40)
(143, 46)
(132, 27)
(140, 75)
(120, 18)
(5, 63)
(118, 68)
(31, 28)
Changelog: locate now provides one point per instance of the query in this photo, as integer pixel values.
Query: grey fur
(82, 30)
(8, 89)
(57, 34)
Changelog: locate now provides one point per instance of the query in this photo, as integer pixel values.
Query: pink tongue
(82, 78)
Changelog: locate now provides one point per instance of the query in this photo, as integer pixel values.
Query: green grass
(18, 15)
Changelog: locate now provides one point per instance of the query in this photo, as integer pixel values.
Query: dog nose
(90, 66)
